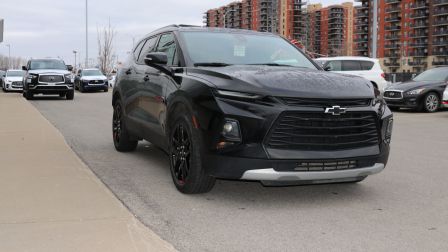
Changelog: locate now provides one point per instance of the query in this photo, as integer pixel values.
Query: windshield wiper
(212, 64)
(270, 64)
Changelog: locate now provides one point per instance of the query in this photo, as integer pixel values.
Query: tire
(62, 95)
(121, 137)
(185, 149)
(81, 88)
(431, 102)
(29, 95)
(70, 95)
(106, 90)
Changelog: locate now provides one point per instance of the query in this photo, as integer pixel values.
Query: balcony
(392, 28)
(417, 63)
(359, 40)
(392, 46)
(393, 19)
(418, 44)
(440, 53)
(362, 22)
(418, 54)
(440, 62)
(440, 32)
(440, 43)
(418, 35)
(362, 14)
(392, 37)
(440, 22)
(421, 5)
(417, 25)
(417, 15)
(361, 31)
(440, 2)
(393, 1)
(440, 12)
(392, 63)
(392, 55)
(393, 9)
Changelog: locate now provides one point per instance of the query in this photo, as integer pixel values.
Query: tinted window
(147, 48)
(138, 49)
(334, 65)
(242, 49)
(47, 64)
(351, 65)
(167, 45)
(435, 74)
(366, 65)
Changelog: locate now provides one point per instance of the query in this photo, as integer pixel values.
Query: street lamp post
(87, 36)
(75, 52)
(9, 55)
(225, 14)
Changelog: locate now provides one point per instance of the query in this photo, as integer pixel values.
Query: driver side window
(167, 44)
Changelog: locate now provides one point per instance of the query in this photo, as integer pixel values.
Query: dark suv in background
(47, 76)
(246, 105)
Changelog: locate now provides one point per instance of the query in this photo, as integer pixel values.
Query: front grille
(17, 84)
(327, 165)
(51, 78)
(96, 82)
(393, 94)
(320, 131)
(51, 88)
(325, 102)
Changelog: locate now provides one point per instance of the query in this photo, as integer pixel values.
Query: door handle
(129, 71)
(146, 78)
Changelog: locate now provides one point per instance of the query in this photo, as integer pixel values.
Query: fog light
(231, 130)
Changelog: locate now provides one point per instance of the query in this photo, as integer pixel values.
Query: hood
(14, 78)
(48, 71)
(409, 85)
(96, 77)
(285, 81)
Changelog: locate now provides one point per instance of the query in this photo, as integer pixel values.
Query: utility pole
(9, 55)
(87, 36)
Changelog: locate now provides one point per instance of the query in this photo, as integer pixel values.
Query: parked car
(13, 80)
(361, 66)
(91, 80)
(445, 98)
(47, 76)
(2, 75)
(424, 92)
(112, 79)
(247, 105)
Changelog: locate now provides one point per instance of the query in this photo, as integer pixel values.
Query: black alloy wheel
(180, 154)
(122, 139)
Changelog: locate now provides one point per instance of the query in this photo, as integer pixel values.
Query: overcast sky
(54, 28)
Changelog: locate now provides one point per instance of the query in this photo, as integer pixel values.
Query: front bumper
(270, 174)
(406, 102)
(95, 86)
(13, 87)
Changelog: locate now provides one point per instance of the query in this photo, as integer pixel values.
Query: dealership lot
(402, 208)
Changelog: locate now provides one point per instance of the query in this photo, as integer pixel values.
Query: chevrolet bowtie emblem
(335, 110)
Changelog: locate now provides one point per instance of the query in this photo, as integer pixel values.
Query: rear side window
(366, 65)
(167, 44)
(351, 65)
(147, 48)
(334, 65)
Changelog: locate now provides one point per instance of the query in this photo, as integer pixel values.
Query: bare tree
(13, 63)
(106, 37)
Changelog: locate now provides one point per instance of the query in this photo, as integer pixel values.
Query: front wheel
(28, 95)
(185, 149)
(122, 139)
(431, 102)
(70, 95)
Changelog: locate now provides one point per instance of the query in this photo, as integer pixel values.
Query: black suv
(47, 76)
(239, 104)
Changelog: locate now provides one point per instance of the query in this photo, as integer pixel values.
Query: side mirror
(70, 68)
(24, 68)
(327, 68)
(157, 58)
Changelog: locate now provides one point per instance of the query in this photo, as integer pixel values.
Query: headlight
(387, 128)
(230, 134)
(415, 91)
(237, 95)
(8, 81)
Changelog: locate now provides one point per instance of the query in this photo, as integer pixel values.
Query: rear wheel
(106, 90)
(185, 150)
(431, 102)
(122, 139)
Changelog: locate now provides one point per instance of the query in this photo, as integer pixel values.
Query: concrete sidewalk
(50, 200)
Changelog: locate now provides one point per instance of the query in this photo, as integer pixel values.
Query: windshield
(91, 73)
(242, 49)
(15, 73)
(435, 74)
(47, 64)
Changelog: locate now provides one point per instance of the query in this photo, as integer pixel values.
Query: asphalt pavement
(404, 208)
